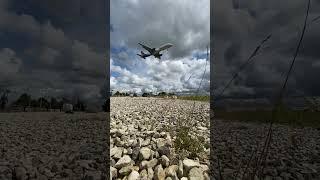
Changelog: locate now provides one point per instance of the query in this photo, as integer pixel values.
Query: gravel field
(294, 153)
(74, 146)
(141, 148)
(53, 145)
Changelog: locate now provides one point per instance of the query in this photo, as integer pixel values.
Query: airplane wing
(142, 55)
(147, 48)
(165, 46)
(147, 55)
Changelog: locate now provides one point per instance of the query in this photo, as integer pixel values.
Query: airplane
(154, 51)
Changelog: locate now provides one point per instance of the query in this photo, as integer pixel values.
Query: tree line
(25, 100)
(145, 94)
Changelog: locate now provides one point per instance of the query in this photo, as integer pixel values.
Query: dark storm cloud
(54, 44)
(239, 26)
(185, 24)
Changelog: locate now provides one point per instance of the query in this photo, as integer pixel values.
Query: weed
(195, 98)
(185, 143)
(284, 116)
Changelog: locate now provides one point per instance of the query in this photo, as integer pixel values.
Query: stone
(180, 169)
(206, 176)
(125, 170)
(144, 173)
(124, 161)
(159, 173)
(165, 161)
(92, 175)
(152, 163)
(21, 173)
(188, 164)
(135, 153)
(150, 173)
(114, 151)
(161, 142)
(84, 164)
(171, 170)
(144, 164)
(113, 172)
(196, 174)
(145, 153)
(134, 175)
(164, 150)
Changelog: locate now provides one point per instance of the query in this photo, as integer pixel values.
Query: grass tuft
(195, 98)
(284, 116)
(187, 145)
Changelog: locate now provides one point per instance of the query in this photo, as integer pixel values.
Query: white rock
(159, 173)
(134, 175)
(150, 173)
(196, 174)
(171, 170)
(113, 171)
(124, 161)
(145, 153)
(189, 163)
(165, 161)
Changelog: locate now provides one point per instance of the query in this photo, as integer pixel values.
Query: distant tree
(54, 103)
(135, 95)
(60, 104)
(66, 100)
(44, 103)
(106, 105)
(23, 101)
(4, 99)
(145, 94)
(171, 94)
(34, 103)
(80, 105)
(127, 94)
(162, 94)
(117, 93)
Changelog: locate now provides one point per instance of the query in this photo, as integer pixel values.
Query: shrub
(185, 142)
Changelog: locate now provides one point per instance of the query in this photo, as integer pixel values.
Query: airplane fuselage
(155, 51)
(163, 47)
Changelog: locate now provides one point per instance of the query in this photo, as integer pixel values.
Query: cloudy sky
(186, 24)
(240, 25)
(55, 45)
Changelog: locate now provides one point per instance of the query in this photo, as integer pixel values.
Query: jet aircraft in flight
(154, 51)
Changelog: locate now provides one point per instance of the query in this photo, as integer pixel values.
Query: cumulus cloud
(185, 24)
(182, 75)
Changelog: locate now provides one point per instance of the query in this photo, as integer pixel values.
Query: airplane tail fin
(141, 55)
(158, 56)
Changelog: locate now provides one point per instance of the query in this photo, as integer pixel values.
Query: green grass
(195, 98)
(187, 146)
(287, 117)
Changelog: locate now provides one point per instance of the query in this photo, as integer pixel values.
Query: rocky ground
(75, 146)
(294, 152)
(53, 145)
(142, 145)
